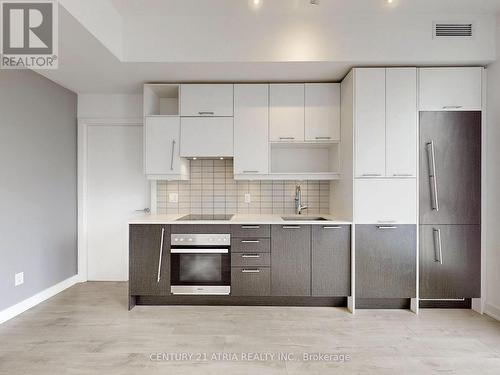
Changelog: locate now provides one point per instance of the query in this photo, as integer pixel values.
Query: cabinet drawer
(250, 281)
(250, 259)
(251, 230)
(200, 228)
(250, 245)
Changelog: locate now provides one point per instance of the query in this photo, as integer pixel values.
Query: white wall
(493, 187)
(109, 106)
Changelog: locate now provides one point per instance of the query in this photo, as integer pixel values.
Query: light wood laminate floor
(88, 330)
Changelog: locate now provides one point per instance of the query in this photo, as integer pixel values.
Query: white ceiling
(283, 40)
(233, 7)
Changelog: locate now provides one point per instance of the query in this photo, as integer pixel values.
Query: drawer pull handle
(250, 256)
(291, 138)
(332, 227)
(323, 137)
(250, 271)
(206, 113)
(452, 106)
(386, 227)
(291, 226)
(371, 175)
(250, 241)
(250, 226)
(251, 172)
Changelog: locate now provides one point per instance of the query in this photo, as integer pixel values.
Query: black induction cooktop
(197, 217)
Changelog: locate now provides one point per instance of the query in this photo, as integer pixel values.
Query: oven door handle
(199, 251)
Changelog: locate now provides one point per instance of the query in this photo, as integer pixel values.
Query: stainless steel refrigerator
(450, 205)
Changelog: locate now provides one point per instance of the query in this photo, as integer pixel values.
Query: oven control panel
(200, 240)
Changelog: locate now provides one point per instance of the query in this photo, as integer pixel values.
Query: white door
(207, 99)
(116, 187)
(401, 122)
(251, 129)
(286, 112)
(370, 122)
(322, 111)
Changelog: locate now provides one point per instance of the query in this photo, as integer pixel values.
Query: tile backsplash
(213, 190)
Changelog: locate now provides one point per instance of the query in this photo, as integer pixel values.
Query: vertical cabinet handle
(431, 159)
(438, 246)
(161, 255)
(172, 156)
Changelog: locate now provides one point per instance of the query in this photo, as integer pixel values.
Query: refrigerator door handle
(431, 158)
(438, 245)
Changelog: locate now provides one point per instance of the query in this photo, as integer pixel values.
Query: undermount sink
(303, 218)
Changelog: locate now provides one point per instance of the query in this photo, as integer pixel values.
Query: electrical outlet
(19, 279)
(248, 198)
(173, 198)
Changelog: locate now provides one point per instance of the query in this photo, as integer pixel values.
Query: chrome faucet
(298, 201)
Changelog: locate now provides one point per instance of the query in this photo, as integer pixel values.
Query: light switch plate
(248, 198)
(19, 279)
(173, 198)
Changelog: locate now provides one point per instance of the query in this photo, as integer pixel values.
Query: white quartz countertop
(236, 219)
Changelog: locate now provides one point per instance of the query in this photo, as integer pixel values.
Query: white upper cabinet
(385, 122)
(369, 91)
(210, 137)
(206, 100)
(251, 129)
(322, 111)
(385, 201)
(286, 112)
(450, 89)
(161, 148)
(401, 122)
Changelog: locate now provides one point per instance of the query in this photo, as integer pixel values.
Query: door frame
(82, 182)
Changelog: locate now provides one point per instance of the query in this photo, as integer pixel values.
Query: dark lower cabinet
(291, 260)
(250, 281)
(149, 259)
(386, 261)
(331, 260)
(450, 261)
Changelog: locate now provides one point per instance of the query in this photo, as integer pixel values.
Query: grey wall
(38, 196)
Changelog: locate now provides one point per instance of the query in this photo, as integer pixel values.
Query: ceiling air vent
(455, 30)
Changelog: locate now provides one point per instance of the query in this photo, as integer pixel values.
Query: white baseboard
(27, 304)
(492, 311)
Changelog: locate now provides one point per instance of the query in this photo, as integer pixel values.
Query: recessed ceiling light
(221, 158)
(389, 1)
(315, 2)
(194, 158)
(256, 4)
